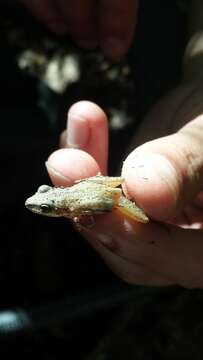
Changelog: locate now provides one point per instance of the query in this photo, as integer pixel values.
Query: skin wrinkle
(129, 229)
(145, 266)
(117, 248)
(57, 173)
(108, 241)
(192, 172)
(187, 272)
(128, 276)
(194, 162)
(78, 139)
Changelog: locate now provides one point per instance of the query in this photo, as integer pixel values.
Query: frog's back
(110, 181)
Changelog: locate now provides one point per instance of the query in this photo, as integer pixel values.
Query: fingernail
(56, 174)
(113, 48)
(78, 132)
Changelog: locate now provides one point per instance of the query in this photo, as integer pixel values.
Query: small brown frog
(87, 197)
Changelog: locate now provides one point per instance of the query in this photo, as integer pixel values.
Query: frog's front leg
(85, 220)
(84, 214)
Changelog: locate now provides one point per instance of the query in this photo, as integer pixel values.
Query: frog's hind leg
(131, 210)
(96, 205)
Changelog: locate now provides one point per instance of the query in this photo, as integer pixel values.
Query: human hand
(164, 176)
(108, 24)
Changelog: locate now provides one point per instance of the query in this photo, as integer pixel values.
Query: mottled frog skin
(91, 196)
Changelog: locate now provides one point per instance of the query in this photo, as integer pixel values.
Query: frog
(85, 198)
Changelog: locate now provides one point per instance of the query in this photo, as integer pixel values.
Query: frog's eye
(43, 188)
(45, 207)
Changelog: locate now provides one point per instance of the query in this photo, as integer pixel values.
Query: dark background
(56, 294)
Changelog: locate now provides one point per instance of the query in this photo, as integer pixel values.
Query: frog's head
(45, 202)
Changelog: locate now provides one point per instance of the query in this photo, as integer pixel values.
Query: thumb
(165, 174)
